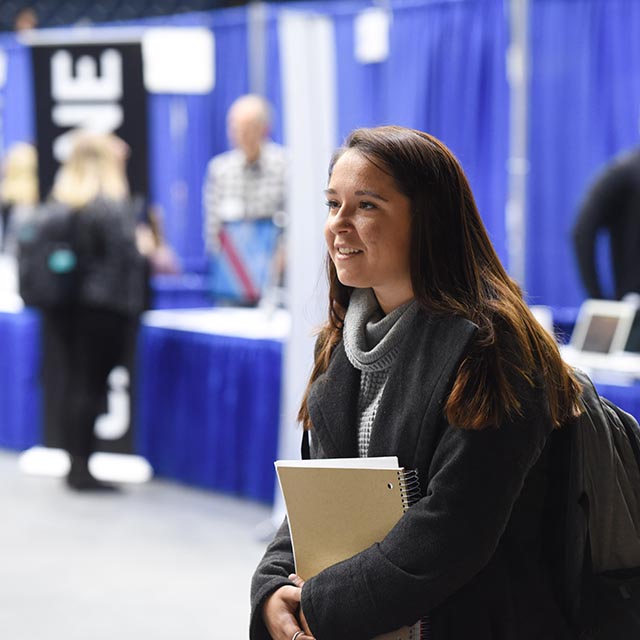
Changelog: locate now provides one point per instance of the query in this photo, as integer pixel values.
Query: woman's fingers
(297, 580)
(303, 622)
(301, 635)
(279, 614)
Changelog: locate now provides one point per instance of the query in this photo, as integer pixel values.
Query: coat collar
(333, 406)
(418, 382)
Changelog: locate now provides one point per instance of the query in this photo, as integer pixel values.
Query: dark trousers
(80, 347)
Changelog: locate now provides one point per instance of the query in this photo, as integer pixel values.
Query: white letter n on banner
(101, 118)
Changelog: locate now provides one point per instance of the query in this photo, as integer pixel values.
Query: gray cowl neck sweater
(372, 341)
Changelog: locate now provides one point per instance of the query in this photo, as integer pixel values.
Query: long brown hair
(456, 271)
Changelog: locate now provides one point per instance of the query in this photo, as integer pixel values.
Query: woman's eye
(367, 205)
(331, 204)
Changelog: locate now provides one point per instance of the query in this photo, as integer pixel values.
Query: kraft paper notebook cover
(339, 507)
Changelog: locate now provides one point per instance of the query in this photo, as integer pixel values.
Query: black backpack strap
(305, 449)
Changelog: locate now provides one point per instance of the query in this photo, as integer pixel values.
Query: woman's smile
(345, 253)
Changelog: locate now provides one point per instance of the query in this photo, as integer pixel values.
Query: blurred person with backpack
(80, 265)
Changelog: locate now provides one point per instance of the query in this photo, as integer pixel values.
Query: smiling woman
(429, 354)
(368, 230)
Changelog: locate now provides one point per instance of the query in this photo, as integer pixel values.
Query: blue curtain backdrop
(17, 122)
(445, 75)
(585, 103)
(186, 131)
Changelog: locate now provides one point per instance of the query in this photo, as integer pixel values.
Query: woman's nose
(340, 221)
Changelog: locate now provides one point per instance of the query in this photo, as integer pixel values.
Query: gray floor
(158, 561)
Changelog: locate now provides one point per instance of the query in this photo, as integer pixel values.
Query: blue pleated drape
(215, 424)
(585, 102)
(273, 82)
(445, 75)
(20, 397)
(186, 131)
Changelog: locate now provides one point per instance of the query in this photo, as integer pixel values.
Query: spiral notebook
(339, 507)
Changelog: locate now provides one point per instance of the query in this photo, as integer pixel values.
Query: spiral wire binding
(409, 487)
(410, 491)
(425, 628)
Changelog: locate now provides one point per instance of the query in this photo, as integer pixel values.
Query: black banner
(98, 87)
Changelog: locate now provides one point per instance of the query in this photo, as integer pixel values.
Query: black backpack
(48, 266)
(595, 495)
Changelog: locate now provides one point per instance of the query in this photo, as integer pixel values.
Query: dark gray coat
(469, 552)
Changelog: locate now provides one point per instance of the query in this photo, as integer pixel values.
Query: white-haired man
(244, 200)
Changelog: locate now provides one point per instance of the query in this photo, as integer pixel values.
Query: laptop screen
(603, 326)
(633, 341)
(600, 332)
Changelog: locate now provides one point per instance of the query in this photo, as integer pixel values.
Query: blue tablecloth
(20, 402)
(209, 409)
(207, 406)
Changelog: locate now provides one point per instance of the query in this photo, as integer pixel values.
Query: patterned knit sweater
(371, 342)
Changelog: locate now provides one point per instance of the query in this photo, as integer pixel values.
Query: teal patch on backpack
(62, 261)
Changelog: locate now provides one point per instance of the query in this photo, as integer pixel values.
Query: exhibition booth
(206, 403)
(206, 397)
(216, 391)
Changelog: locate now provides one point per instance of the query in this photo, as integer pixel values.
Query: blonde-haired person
(19, 192)
(95, 168)
(87, 338)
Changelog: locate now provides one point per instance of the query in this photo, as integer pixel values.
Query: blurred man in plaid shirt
(244, 198)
